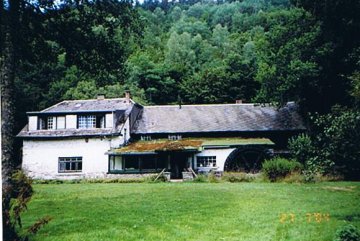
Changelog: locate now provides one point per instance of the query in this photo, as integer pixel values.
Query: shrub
(279, 168)
(238, 177)
(336, 136)
(347, 233)
(22, 192)
(200, 178)
(294, 177)
(301, 148)
(213, 178)
(47, 181)
(124, 180)
(161, 178)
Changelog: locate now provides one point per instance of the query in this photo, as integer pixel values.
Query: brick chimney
(127, 97)
(239, 101)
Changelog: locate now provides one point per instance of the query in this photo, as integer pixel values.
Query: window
(86, 121)
(131, 163)
(70, 164)
(42, 123)
(91, 121)
(148, 162)
(174, 137)
(137, 163)
(206, 161)
(146, 138)
(51, 122)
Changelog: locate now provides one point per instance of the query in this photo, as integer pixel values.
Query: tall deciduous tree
(9, 25)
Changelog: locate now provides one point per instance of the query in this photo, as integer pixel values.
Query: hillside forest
(192, 51)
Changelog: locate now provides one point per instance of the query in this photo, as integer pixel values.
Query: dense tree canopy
(189, 50)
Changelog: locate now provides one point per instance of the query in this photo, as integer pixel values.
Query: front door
(178, 164)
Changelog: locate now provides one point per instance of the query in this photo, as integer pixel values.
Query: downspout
(124, 137)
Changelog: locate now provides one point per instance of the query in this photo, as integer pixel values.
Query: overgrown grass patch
(194, 211)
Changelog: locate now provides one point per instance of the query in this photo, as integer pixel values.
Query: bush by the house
(238, 177)
(279, 168)
(347, 233)
(155, 178)
(336, 136)
(301, 148)
(201, 178)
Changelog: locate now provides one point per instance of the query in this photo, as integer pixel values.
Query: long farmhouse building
(117, 137)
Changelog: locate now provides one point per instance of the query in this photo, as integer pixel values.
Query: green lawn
(194, 211)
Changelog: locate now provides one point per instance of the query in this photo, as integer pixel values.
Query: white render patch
(41, 157)
(221, 156)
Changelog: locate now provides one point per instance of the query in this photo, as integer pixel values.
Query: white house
(106, 137)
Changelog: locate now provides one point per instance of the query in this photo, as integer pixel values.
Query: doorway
(178, 163)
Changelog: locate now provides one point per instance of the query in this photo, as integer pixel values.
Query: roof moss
(188, 144)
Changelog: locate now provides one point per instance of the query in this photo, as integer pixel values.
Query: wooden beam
(160, 174)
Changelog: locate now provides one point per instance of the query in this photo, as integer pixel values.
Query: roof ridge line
(176, 105)
(93, 100)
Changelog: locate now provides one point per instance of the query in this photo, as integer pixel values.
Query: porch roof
(187, 144)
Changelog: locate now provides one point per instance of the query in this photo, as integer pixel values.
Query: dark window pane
(70, 164)
(148, 162)
(131, 163)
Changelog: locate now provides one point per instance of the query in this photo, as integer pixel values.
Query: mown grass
(193, 211)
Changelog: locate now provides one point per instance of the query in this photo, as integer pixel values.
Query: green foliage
(201, 178)
(287, 65)
(278, 168)
(347, 233)
(301, 148)
(337, 136)
(156, 178)
(213, 178)
(94, 180)
(22, 192)
(238, 177)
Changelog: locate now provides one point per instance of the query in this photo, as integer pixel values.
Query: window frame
(43, 122)
(145, 137)
(90, 121)
(206, 160)
(174, 137)
(74, 159)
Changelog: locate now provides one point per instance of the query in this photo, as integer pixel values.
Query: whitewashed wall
(40, 157)
(221, 156)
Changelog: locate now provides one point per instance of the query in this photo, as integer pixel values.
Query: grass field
(194, 211)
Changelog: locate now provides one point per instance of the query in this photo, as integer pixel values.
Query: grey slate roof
(94, 105)
(66, 133)
(218, 118)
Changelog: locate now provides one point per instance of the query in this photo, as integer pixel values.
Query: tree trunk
(9, 25)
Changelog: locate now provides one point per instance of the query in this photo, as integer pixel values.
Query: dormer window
(86, 121)
(51, 122)
(146, 138)
(174, 137)
(91, 121)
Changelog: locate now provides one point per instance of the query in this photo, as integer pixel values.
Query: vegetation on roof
(189, 144)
